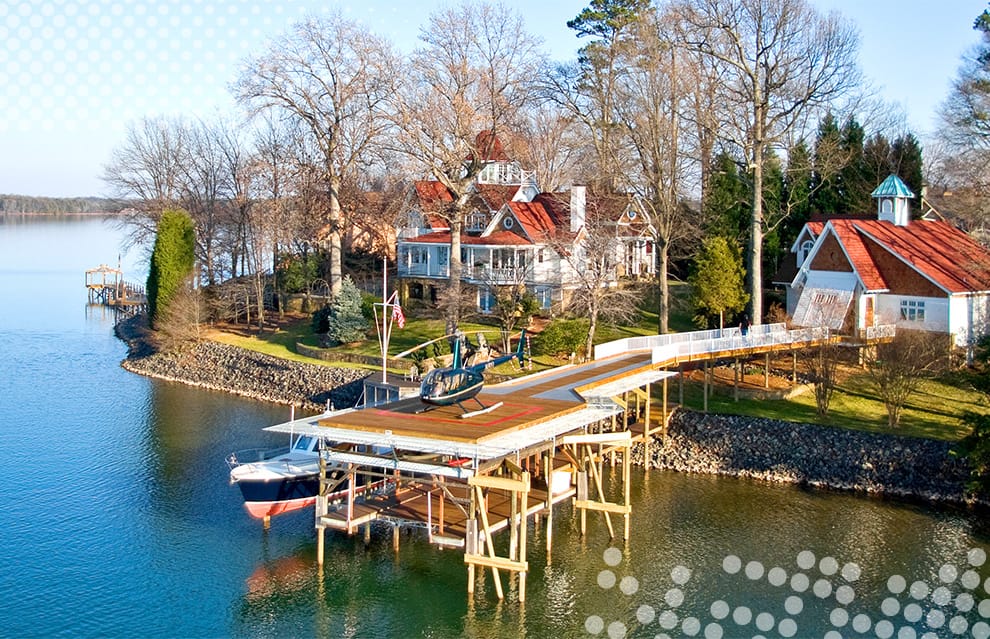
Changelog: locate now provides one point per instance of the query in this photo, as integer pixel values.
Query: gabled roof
(937, 250)
(496, 195)
(538, 221)
(432, 197)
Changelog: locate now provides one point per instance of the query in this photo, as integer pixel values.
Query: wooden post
(735, 381)
(766, 370)
(646, 433)
(524, 501)
(680, 385)
(793, 367)
(627, 489)
(664, 411)
(704, 393)
(471, 539)
(548, 471)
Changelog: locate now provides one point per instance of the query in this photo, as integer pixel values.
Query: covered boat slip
(463, 479)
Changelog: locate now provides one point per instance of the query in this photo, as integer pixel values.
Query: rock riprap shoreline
(811, 455)
(231, 369)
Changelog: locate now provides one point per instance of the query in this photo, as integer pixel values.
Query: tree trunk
(756, 226)
(336, 259)
(453, 310)
(663, 314)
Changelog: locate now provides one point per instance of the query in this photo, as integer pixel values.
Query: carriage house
(513, 235)
(853, 273)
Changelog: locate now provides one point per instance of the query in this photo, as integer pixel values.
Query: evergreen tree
(347, 322)
(856, 183)
(172, 260)
(827, 198)
(877, 156)
(797, 193)
(906, 162)
(727, 206)
(718, 281)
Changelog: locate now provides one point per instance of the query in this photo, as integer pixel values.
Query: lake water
(117, 520)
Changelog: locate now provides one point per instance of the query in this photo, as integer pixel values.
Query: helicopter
(459, 383)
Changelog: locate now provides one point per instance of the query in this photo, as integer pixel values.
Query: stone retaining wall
(812, 455)
(236, 370)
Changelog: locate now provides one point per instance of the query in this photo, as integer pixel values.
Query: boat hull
(274, 496)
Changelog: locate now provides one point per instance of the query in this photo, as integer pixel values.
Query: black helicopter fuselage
(449, 386)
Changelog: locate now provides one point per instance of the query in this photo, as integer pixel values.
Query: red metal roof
(939, 251)
(496, 195)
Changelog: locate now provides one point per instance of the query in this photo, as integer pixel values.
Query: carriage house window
(442, 252)
(912, 311)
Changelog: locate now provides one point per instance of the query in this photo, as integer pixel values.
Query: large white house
(514, 234)
(855, 273)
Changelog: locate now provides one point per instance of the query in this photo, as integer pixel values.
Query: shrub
(561, 336)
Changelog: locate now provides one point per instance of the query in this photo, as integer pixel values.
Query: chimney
(578, 203)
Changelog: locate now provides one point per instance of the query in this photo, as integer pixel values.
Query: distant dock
(106, 285)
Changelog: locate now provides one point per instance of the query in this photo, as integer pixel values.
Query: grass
(935, 411)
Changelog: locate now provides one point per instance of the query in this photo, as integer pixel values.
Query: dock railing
(672, 346)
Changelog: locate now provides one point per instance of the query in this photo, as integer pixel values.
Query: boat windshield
(304, 443)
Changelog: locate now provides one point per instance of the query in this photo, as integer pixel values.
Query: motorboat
(280, 480)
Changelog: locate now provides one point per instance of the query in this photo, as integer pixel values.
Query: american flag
(397, 316)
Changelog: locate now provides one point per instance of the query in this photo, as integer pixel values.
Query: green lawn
(935, 411)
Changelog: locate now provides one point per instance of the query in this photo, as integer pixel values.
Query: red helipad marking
(429, 415)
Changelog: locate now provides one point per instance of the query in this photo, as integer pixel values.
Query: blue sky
(73, 73)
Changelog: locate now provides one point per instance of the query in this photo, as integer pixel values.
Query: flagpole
(385, 318)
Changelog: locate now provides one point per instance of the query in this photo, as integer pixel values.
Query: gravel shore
(811, 455)
(242, 372)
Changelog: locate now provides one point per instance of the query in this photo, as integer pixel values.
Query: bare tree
(550, 145)
(650, 99)
(334, 76)
(782, 61)
(147, 167)
(465, 86)
(897, 368)
(592, 262)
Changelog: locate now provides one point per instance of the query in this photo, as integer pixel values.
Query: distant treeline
(30, 205)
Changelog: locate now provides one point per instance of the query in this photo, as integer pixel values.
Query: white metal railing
(674, 345)
(423, 270)
(649, 342)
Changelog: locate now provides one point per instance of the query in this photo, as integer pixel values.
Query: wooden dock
(465, 480)
(106, 285)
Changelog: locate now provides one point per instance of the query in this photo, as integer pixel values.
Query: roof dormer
(893, 201)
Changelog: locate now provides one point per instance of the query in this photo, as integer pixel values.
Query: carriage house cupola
(893, 201)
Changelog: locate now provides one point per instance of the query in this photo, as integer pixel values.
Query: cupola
(893, 201)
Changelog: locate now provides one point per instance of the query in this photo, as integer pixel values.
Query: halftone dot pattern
(123, 59)
(945, 605)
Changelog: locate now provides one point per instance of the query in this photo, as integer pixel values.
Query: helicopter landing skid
(480, 411)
